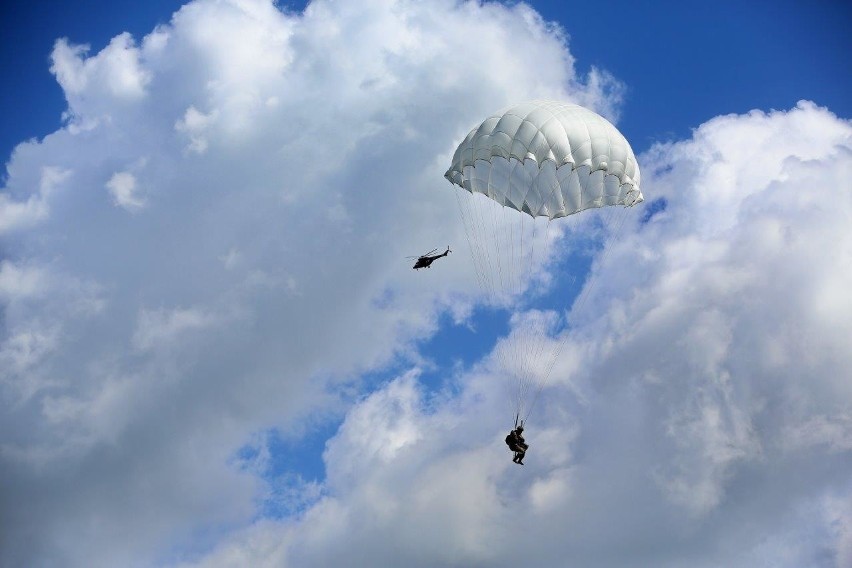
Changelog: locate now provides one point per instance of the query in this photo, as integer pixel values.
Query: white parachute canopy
(547, 158)
(520, 169)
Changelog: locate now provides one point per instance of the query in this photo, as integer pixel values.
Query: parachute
(515, 173)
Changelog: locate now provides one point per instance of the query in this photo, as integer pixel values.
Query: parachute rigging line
(538, 159)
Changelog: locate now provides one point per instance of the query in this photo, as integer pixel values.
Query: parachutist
(516, 443)
(425, 261)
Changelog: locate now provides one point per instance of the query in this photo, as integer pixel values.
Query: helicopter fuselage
(426, 261)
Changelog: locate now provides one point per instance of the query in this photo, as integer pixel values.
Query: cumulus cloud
(701, 417)
(289, 161)
(280, 165)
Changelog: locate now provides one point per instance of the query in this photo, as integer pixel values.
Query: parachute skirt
(543, 190)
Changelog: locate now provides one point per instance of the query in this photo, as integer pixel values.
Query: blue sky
(215, 353)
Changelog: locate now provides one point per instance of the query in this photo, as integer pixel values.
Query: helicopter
(425, 261)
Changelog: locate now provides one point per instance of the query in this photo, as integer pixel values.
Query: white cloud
(125, 192)
(21, 282)
(21, 352)
(34, 298)
(286, 163)
(265, 278)
(115, 72)
(712, 425)
(27, 212)
(194, 123)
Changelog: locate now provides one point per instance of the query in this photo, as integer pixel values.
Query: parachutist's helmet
(520, 428)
